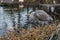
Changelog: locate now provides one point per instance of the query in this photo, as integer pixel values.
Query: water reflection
(7, 16)
(11, 18)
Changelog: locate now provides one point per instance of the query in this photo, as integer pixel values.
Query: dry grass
(39, 33)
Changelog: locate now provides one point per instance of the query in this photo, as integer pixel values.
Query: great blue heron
(42, 16)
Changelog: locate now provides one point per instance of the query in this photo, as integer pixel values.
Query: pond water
(10, 16)
(6, 18)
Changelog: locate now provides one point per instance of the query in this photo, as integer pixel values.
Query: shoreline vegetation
(38, 33)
